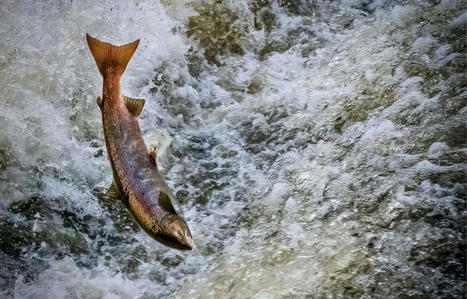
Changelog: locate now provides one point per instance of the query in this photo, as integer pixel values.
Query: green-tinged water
(318, 149)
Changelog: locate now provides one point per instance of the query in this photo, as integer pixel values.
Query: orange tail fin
(107, 55)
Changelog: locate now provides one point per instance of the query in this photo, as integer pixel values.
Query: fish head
(174, 232)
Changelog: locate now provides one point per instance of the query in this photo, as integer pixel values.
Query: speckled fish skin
(136, 178)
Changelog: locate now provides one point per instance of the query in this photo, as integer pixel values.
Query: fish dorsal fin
(112, 192)
(165, 203)
(135, 106)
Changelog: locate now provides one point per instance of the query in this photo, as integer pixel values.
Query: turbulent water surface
(317, 148)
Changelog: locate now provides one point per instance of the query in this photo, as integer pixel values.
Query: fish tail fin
(108, 56)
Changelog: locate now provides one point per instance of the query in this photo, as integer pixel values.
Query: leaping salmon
(136, 179)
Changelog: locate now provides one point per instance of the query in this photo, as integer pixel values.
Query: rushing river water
(317, 148)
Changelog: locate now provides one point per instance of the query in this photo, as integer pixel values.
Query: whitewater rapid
(317, 149)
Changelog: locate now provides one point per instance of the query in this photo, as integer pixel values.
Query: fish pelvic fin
(135, 106)
(110, 57)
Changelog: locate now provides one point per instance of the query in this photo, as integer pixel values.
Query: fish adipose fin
(109, 56)
(112, 192)
(99, 102)
(135, 106)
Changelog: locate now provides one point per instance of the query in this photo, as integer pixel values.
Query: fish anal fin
(135, 106)
(112, 192)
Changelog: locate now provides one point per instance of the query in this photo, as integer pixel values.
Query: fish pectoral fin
(112, 192)
(165, 203)
(135, 106)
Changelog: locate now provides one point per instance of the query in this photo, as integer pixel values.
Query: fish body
(137, 181)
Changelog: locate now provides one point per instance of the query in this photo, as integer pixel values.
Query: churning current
(317, 148)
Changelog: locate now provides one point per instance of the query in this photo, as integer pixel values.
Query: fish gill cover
(318, 149)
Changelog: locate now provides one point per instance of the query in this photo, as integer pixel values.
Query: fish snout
(183, 236)
(186, 239)
(178, 234)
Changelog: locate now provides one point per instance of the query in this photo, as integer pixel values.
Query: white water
(328, 163)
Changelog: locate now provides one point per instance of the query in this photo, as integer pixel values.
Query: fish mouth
(189, 243)
(174, 243)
